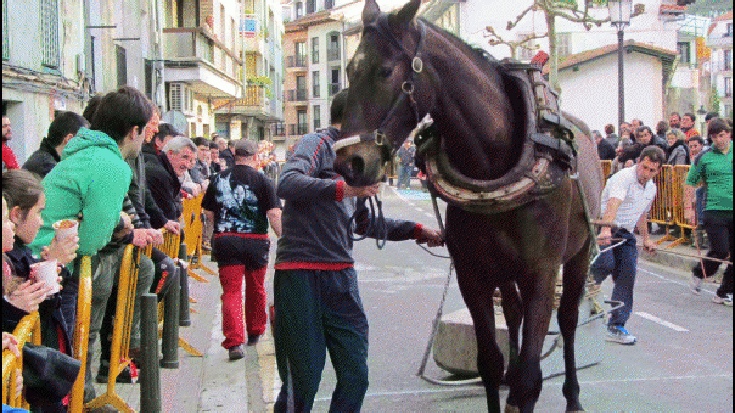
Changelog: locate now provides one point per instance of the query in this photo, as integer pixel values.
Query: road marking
(660, 321)
(683, 284)
(481, 390)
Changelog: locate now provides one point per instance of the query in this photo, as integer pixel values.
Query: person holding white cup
(24, 194)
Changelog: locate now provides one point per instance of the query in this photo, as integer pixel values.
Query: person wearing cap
(316, 298)
(242, 202)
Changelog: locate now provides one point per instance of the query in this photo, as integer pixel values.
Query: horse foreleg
(489, 356)
(574, 278)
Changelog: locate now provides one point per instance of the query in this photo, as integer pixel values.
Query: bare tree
(568, 10)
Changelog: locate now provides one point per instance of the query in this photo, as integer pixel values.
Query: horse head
(381, 109)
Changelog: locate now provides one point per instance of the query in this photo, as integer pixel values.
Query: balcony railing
(191, 44)
(296, 61)
(296, 95)
(333, 54)
(298, 129)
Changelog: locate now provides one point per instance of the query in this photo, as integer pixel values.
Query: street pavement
(682, 361)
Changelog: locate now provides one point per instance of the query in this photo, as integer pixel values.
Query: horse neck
(472, 112)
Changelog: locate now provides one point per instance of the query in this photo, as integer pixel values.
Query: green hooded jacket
(92, 178)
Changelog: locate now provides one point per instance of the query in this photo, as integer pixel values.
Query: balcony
(333, 54)
(194, 56)
(254, 103)
(298, 62)
(296, 95)
(298, 129)
(721, 42)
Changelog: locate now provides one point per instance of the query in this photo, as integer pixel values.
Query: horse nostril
(358, 165)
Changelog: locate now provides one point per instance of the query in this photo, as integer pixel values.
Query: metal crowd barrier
(668, 206)
(119, 358)
(28, 329)
(81, 332)
(194, 229)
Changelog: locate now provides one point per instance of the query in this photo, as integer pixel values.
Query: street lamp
(620, 11)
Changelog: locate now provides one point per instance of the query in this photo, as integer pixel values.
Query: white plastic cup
(68, 230)
(47, 273)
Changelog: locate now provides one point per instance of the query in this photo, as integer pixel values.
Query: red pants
(230, 277)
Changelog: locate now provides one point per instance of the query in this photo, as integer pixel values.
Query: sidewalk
(210, 383)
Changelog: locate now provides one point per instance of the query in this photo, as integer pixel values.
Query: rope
(376, 224)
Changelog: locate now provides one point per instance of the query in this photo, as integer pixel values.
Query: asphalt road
(683, 361)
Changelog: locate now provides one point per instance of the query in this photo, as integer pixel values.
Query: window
(310, 6)
(233, 30)
(122, 66)
(49, 33)
(728, 30)
(317, 117)
(315, 50)
(300, 48)
(334, 86)
(299, 10)
(523, 53)
(316, 87)
(6, 37)
(728, 87)
(149, 79)
(301, 88)
(685, 52)
(328, 4)
(302, 122)
(563, 44)
(222, 27)
(333, 48)
(728, 59)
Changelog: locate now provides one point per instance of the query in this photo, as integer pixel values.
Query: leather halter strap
(417, 65)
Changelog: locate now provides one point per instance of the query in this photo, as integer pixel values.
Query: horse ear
(371, 12)
(408, 12)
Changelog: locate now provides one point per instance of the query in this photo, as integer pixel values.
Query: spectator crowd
(118, 176)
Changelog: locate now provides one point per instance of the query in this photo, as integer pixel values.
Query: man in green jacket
(90, 184)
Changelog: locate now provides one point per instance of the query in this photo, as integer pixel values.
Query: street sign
(249, 26)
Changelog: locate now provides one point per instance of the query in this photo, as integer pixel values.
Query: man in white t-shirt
(626, 200)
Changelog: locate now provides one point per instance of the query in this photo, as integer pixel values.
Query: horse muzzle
(362, 159)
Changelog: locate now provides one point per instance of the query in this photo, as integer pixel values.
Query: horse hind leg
(513, 313)
(574, 278)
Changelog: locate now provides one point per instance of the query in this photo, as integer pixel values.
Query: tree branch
(513, 24)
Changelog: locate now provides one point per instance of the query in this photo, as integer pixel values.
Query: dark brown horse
(405, 68)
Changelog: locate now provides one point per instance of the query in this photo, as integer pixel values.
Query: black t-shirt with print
(240, 197)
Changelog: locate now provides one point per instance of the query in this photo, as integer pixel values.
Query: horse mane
(481, 57)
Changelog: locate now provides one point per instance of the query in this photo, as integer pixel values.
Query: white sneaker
(620, 335)
(727, 300)
(696, 284)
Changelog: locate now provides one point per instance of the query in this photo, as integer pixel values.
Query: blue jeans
(404, 176)
(621, 263)
(316, 311)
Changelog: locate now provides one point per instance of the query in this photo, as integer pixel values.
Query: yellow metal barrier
(193, 236)
(662, 208)
(119, 358)
(678, 178)
(606, 169)
(81, 332)
(28, 329)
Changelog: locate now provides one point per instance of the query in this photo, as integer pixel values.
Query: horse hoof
(511, 409)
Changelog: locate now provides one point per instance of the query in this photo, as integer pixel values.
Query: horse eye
(385, 72)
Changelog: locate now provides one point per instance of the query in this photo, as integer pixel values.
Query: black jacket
(43, 160)
(165, 187)
(51, 316)
(605, 150)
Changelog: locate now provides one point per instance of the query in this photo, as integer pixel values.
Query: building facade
(719, 41)
(43, 67)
